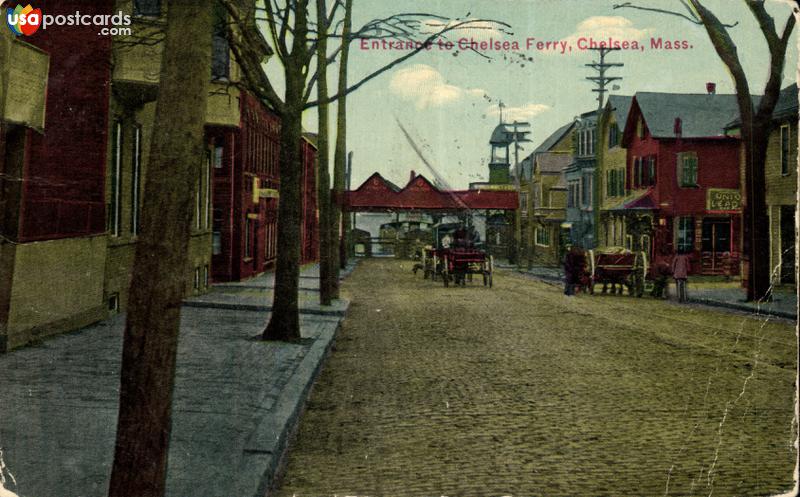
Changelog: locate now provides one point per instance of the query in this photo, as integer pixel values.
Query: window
(543, 237)
(147, 8)
(220, 50)
(651, 170)
(590, 144)
(620, 182)
(205, 276)
(216, 243)
(248, 252)
(113, 303)
(785, 149)
(197, 278)
(645, 244)
(687, 169)
(640, 128)
(613, 135)
(114, 207)
(685, 234)
(207, 194)
(198, 200)
(572, 194)
(523, 202)
(218, 156)
(610, 183)
(586, 190)
(136, 179)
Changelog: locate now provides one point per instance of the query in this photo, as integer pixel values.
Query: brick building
(53, 164)
(73, 175)
(682, 179)
(246, 179)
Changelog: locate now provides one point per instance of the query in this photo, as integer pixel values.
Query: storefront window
(685, 235)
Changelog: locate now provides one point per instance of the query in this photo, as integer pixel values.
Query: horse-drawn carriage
(456, 258)
(619, 268)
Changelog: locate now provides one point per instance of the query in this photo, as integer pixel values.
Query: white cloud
(523, 113)
(601, 28)
(467, 28)
(427, 87)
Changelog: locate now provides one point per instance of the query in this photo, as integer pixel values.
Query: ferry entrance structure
(421, 205)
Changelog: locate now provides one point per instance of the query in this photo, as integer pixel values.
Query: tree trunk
(285, 322)
(755, 216)
(324, 185)
(338, 256)
(157, 285)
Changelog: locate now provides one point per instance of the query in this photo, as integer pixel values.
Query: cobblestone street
(519, 390)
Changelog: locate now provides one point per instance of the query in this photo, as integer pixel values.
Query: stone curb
(264, 308)
(743, 307)
(266, 449)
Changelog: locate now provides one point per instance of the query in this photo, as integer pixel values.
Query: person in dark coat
(574, 267)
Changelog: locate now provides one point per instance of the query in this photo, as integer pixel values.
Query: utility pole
(519, 136)
(601, 80)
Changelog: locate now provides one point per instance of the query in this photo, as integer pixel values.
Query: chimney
(678, 129)
(413, 175)
(711, 88)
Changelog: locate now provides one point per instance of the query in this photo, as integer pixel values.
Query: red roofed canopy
(378, 194)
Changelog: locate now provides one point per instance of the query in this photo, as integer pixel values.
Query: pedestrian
(680, 271)
(574, 266)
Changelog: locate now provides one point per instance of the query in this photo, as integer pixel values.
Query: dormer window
(640, 128)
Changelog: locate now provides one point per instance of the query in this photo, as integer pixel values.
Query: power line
(602, 79)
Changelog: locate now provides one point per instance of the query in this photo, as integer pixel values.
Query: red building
(684, 172)
(246, 181)
(53, 159)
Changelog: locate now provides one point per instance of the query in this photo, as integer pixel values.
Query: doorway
(716, 245)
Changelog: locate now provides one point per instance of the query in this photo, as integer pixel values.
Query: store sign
(719, 199)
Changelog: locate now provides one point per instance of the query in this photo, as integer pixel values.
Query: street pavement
(520, 390)
(236, 398)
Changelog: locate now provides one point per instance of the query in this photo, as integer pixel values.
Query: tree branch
(692, 19)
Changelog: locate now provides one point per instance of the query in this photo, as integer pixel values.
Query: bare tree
(338, 247)
(326, 262)
(157, 284)
(756, 123)
(294, 40)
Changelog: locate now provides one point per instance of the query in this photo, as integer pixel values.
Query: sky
(448, 98)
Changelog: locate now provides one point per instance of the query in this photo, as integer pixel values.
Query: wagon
(430, 263)
(618, 268)
(460, 264)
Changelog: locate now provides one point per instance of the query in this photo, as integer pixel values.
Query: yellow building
(781, 176)
(545, 201)
(611, 170)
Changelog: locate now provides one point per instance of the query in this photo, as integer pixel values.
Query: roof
(787, 102)
(552, 163)
(702, 115)
(503, 134)
(620, 105)
(376, 193)
(642, 202)
(554, 138)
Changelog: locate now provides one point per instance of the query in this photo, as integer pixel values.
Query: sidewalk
(725, 295)
(236, 399)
